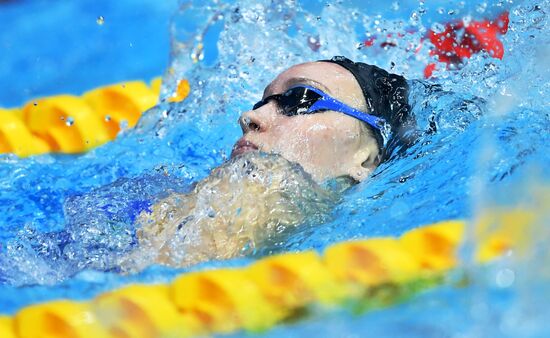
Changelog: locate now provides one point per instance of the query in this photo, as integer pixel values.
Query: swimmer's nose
(251, 122)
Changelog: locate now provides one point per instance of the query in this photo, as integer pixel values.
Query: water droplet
(107, 118)
(70, 121)
(399, 210)
(467, 20)
(314, 43)
(35, 103)
(232, 72)
(480, 8)
(100, 20)
(236, 15)
(505, 278)
(198, 53)
(438, 28)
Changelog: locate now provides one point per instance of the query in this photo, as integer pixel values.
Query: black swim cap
(386, 95)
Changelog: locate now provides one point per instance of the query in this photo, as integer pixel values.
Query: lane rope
(359, 275)
(75, 124)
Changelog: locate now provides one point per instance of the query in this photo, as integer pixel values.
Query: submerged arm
(235, 209)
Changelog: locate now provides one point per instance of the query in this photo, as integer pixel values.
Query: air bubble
(198, 53)
(69, 122)
(438, 28)
(314, 43)
(100, 20)
(232, 72)
(123, 125)
(467, 20)
(481, 7)
(505, 278)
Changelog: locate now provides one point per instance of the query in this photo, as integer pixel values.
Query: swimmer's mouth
(243, 146)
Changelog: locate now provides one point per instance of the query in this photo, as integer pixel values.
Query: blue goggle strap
(328, 103)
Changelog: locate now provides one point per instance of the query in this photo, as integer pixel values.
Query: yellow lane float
(434, 246)
(7, 327)
(60, 318)
(503, 230)
(66, 122)
(182, 91)
(75, 124)
(370, 273)
(294, 280)
(16, 138)
(222, 300)
(143, 311)
(121, 104)
(371, 262)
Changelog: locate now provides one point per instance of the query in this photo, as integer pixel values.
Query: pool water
(483, 144)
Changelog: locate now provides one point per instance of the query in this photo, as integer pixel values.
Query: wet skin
(326, 144)
(251, 197)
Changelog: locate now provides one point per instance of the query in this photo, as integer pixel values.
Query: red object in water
(459, 41)
(369, 42)
(428, 70)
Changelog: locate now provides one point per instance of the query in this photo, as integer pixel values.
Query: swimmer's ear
(364, 163)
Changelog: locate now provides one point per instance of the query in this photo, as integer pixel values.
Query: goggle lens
(294, 101)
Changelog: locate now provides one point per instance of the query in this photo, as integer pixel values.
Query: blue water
(484, 135)
(52, 47)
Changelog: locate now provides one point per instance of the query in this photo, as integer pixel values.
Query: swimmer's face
(326, 144)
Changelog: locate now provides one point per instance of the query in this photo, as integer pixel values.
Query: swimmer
(317, 122)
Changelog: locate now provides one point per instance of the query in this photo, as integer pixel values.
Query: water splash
(483, 129)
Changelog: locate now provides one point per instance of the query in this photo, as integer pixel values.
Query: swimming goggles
(309, 100)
